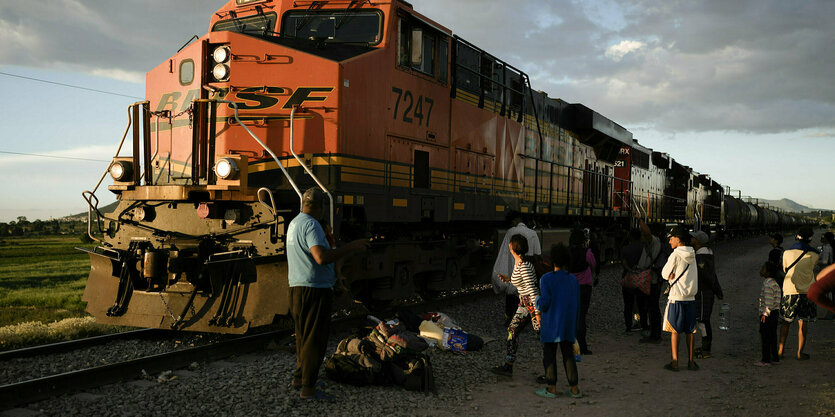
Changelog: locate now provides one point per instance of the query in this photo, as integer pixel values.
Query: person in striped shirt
(769, 308)
(524, 279)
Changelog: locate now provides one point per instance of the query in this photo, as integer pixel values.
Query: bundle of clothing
(388, 355)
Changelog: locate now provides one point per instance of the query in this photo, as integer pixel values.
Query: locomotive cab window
(259, 25)
(422, 49)
(334, 26)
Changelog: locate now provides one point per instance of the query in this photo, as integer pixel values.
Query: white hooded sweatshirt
(684, 289)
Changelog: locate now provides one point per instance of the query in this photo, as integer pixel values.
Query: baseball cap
(701, 236)
(679, 232)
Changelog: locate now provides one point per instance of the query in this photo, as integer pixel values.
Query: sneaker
(503, 370)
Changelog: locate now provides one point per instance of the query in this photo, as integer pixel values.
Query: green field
(41, 279)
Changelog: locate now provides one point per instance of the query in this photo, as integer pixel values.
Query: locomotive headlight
(221, 72)
(121, 171)
(221, 54)
(227, 169)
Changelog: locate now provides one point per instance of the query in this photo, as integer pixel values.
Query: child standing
(560, 307)
(769, 308)
(524, 279)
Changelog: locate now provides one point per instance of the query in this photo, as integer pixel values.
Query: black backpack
(413, 373)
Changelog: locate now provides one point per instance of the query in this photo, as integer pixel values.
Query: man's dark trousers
(310, 309)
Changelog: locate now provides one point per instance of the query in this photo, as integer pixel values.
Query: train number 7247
(414, 107)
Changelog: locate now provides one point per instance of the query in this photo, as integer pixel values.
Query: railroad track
(25, 392)
(71, 345)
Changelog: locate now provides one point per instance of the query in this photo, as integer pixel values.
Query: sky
(741, 89)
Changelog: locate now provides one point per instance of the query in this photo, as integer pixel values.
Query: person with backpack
(799, 266)
(708, 288)
(680, 316)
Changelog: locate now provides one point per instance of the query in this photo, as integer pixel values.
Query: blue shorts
(680, 317)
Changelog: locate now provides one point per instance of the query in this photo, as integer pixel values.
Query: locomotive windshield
(261, 25)
(363, 27)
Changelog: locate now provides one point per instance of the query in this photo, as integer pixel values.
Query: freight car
(422, 141)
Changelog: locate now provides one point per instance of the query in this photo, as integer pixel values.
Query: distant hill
(83, 216)
(790, 206)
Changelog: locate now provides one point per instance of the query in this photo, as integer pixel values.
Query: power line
(69, 85)
(53, 156)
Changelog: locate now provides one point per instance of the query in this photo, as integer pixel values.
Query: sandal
(671, 367)
(693, 366)
(543, 392)
(803, 356)
(579, 393)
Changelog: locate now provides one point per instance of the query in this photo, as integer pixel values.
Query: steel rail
(25, 392)
(69, 345)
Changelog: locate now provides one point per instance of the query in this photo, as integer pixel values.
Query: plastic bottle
(725, 317)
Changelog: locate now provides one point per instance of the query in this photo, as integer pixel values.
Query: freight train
(422, 141)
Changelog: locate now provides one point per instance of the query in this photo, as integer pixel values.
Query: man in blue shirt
(310, 273)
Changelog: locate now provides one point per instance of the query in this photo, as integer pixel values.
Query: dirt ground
(624, 377)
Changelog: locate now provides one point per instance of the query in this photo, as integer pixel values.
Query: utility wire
(53, 156)
(70, 85)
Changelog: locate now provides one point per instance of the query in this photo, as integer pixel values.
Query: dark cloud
(131, 36)
(750, 66)
(747, 65)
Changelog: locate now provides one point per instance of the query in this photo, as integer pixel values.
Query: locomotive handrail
(90, 206)
(264, 145)
(309, 171)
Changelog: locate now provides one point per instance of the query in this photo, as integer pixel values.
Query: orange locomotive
(423, 142)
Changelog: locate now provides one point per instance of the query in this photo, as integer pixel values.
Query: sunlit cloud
(617, 52)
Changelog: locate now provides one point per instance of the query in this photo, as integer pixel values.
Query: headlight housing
(121, 170)
(226, 169)
(221, 54)
(221, 72)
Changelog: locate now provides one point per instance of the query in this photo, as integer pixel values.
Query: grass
(41, 279)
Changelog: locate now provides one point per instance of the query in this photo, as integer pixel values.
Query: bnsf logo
(251, 98)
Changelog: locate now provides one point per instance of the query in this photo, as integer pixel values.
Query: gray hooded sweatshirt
(684, 289)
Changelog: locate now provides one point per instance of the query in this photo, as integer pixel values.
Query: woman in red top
(824, 285)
